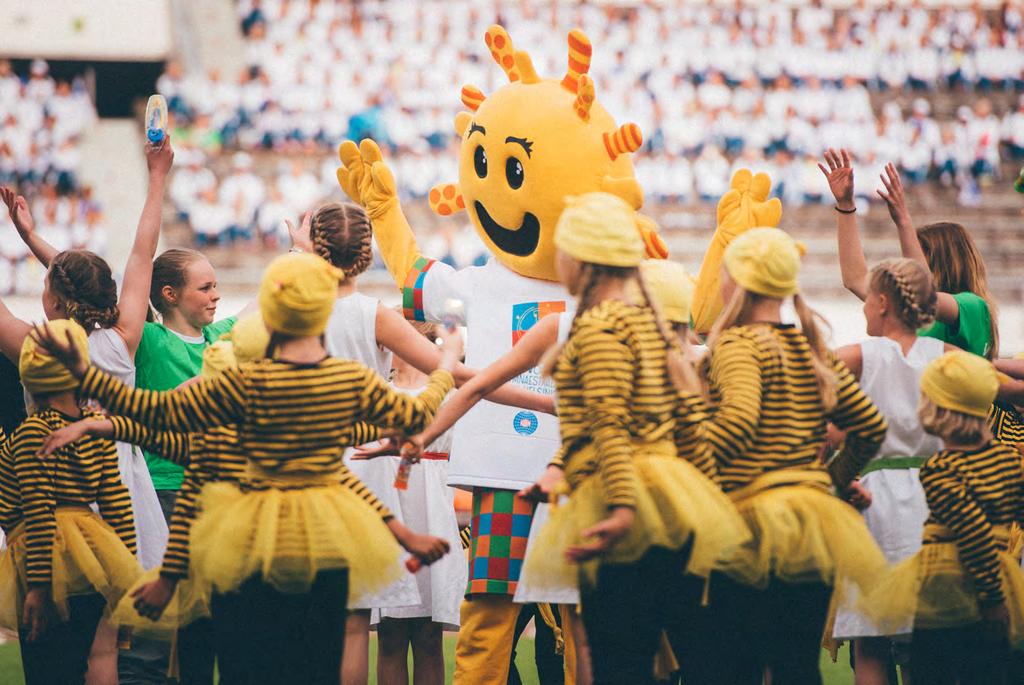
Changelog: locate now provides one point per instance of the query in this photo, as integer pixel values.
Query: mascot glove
(366, 178)
(746, 205)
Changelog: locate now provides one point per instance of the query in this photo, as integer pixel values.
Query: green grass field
(834, 674)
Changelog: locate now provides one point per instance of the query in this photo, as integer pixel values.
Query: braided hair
(85, 288)
(342, 235)
(909, 288)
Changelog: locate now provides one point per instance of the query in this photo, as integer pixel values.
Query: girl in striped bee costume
(292, 543)
(640, 527)
(775, 385)
(171, 598)
(963, 591)
(64, 562)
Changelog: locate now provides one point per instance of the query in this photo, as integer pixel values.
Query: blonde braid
(588, 276)
(682, 374)
(913, 293)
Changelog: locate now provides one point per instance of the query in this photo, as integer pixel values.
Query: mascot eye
(514, 173)
(480, 161)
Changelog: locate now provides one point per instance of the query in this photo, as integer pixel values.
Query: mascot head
(528, 146)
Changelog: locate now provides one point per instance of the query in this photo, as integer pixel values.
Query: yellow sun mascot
(525, 148)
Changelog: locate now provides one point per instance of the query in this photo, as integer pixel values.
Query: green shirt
(164, 361)
(973, 330)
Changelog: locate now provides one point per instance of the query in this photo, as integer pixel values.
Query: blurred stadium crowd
(756, 84)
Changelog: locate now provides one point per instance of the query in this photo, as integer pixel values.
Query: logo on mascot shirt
(529, 145)
(526, 314)
(525, 423)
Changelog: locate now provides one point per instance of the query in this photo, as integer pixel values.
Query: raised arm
(369, 182)
(17, 206)
(133, 303)
(12, 333)
(520, 359)
(852, 264)
(398, 335)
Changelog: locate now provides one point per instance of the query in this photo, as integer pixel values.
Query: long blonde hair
(737, 313)
(682, 374)
(958, 267)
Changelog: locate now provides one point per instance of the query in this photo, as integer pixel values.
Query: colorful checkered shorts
(500, 528)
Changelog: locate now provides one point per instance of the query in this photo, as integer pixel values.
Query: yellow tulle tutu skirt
(190, 601)
(933, 589)
(802, 533)
(675, 504)
(288, 536)
(88, 556)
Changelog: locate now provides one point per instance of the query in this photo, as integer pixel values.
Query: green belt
(893, 463)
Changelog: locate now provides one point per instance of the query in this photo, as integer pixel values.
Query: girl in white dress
(888, 365)
(363, 329)
(428, 505)
(79, 285)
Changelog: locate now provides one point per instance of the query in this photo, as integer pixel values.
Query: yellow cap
(962, 382)
(41, 373)
(671, 286)
(600, 228)
(765, 261)
(249, 338)
(298, 293)
(218, 357)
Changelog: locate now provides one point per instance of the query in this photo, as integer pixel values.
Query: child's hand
(70, 433)
(388, 447)
(604, 533)
(152, 598)
(159, 158)
(840, 177)
(894, 198)
(300, 236)
(857, 495)
(547, 484)
(36, 613)
(17, 207)
(426, 548)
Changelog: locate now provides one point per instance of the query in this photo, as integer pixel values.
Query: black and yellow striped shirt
(969, 493)
(79, 474)
(215, 456)
(291, 418)
(1007, 424)
(769, 414)
(10, 494)
(691, 415)
(613, 389)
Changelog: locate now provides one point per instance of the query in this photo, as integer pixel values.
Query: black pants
(967, 655)
(625, 612)
(275, 638)
(146, 660)
(61, 655)
(743, 631)
(550, 664)
(196, 653)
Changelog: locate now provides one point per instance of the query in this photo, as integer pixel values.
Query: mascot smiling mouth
(520, 242)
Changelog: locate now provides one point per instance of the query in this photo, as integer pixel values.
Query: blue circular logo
(525, 423)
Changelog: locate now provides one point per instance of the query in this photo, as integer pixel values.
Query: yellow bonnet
(669, 284)
(962, 382)
(297, 294)
(41, 373)
(600, 228)
(219, 356)
(765, 261)
(249, 338)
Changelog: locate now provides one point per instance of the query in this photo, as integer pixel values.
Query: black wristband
(845, 211)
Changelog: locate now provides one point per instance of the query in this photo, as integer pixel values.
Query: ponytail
(823, 371)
